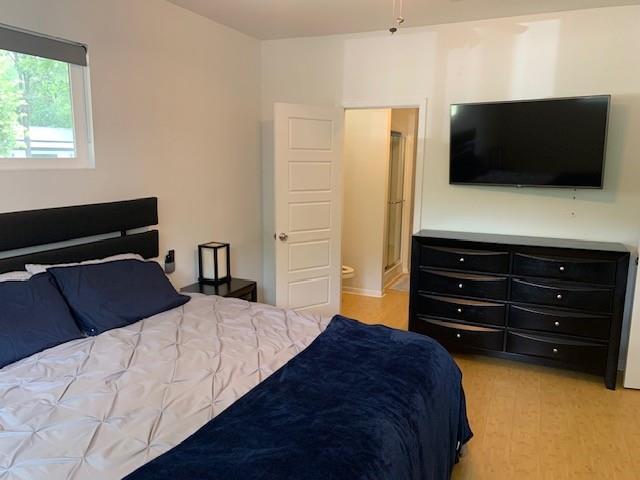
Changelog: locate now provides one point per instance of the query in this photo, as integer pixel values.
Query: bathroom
(379, 166)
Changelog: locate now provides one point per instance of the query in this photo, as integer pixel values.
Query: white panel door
(308, 206)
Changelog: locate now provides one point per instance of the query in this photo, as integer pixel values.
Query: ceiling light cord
(398, 19)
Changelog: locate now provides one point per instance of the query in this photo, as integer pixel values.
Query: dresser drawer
(575, 269)
(457, 335)
(464, 284)
(464, 259)
(561, 294)
(584, 354)
(557, 321)
(461, 309)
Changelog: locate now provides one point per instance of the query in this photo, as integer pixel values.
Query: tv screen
(553, 143)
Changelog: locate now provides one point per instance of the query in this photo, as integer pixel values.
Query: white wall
(632, 372)
(561, 54)
(366, 175)
(175, 115)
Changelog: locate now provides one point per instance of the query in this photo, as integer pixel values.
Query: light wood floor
(531, 422)
(391, 310)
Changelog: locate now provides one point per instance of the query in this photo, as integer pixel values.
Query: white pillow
(15, 276)
(34, 268)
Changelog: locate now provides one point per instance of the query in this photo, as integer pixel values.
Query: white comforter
(98, 408)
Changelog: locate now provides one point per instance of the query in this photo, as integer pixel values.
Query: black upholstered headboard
(38, 228)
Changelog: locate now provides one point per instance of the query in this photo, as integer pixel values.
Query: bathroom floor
(400, 284)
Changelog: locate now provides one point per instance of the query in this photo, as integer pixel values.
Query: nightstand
(236, 288)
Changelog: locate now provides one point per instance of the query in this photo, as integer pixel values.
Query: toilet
(347, 272)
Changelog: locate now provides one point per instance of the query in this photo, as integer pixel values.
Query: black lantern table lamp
(214, 263)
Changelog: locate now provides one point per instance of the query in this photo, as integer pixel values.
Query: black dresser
(547, 301)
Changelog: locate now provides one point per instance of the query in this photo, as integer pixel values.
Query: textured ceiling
(270, 19)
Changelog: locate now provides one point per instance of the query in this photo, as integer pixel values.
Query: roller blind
(42, 46)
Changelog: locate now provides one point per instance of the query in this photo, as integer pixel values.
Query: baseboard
(363, 291)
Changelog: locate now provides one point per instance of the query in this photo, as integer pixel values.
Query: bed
(218, 388)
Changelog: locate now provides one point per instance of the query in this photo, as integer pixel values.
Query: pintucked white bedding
(98, 408)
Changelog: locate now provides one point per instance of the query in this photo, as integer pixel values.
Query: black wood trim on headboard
(39, 228)
(51, 225)
(145, 244)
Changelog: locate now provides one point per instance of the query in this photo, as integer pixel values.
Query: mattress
(100, 407)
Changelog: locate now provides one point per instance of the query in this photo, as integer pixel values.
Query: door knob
(283, 237)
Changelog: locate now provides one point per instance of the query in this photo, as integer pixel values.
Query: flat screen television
(546, 143)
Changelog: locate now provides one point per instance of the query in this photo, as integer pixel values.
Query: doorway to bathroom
(379, 169)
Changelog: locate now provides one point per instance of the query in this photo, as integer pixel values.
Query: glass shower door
(395, 201)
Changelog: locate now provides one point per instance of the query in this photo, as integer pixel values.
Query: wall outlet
(170, 262)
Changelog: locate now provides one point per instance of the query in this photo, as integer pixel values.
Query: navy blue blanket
(361, 402)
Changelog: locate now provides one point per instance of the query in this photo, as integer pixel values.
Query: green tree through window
(9, 102)
(34, 92)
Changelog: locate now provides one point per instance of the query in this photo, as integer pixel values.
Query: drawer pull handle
(555, 350)
(559, 296)
(557, 324)
(461, 259)
(562, 269)
(460, 285)
(459, 310)
(458, 335)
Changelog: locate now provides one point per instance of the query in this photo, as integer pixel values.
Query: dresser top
(525, 241)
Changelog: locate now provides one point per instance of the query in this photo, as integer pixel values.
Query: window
(45, 114)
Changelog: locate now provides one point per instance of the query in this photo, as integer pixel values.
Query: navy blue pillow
(111, 295)
(33, 317)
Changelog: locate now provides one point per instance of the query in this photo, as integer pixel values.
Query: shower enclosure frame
(396, 200)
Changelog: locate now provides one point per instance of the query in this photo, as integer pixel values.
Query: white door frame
(404, 102)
